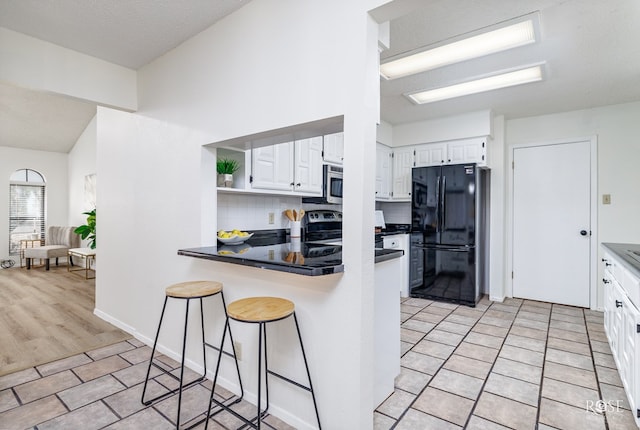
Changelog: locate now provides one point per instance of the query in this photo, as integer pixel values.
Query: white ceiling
(130, 33)
(590, 48)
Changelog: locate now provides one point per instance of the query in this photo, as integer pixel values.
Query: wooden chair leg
(46, 264)
(28, 264)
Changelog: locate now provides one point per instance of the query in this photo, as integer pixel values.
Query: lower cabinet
(622, 326)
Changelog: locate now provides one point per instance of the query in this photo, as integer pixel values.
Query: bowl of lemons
(233, 237)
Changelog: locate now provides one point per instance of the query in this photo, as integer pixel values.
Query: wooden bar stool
(188, 291)
(261, 311)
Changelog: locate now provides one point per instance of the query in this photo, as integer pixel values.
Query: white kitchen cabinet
(290, 166)
(402, 165)
(272, 167)
(622, 325)
(383, 172)
(308, 166)
(400, 241)
(333, 148)
(467, 151)
(431, 154)
(461, 151)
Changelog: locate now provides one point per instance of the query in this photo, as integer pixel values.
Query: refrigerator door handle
(438, 204)
(443, 203)
(448, 249)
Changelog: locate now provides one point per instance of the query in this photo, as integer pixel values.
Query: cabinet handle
(608, 264)
(606, 281)
(298, 184)
(291, 184)
(618, 304)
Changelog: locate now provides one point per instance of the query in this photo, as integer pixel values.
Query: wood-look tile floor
(512, 365)
(47, 315)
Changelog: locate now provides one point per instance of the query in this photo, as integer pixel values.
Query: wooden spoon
(289, 214)
(301, 214)
(295, 215)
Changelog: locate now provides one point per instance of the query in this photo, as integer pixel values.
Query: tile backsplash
(395, 212)
(251, 211)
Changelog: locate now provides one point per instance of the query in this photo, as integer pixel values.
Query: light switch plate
(606, 199)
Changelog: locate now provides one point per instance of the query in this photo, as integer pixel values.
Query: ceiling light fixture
(489, 42)
(502, 80)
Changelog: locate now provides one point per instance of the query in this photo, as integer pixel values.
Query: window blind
(26, 214)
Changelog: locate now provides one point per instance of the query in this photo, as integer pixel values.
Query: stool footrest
(291, 381)
(226, 407)
(228, 354)
(230, 401)
(175, 390)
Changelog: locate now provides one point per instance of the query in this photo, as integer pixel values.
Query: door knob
(583, 232)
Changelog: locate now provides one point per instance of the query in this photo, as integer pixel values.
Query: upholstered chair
(57, 244)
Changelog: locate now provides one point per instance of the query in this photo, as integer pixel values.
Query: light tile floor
(512, 365)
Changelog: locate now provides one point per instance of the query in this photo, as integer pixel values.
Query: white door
(551, 223)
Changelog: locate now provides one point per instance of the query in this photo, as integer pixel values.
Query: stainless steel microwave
(331, 187)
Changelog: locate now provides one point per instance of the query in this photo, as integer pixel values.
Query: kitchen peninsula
(277, 251)
(285, 255)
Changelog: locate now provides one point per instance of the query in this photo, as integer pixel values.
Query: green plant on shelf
(227, 166)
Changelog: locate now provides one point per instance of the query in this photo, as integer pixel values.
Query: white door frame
(593, 252)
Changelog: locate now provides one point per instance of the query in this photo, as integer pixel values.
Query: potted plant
(88, 230)
(226, 167)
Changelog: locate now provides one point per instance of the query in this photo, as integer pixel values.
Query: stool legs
(262, 352)
(215, 377)
(306, 366)
(181, 387)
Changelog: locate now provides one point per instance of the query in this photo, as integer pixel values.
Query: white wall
(53, 166)
(303, 61)
(35, 64)
(617, 129)
(82, 162)
(471, 124)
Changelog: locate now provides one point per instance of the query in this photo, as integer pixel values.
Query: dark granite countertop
(626, 253)
(278, 252)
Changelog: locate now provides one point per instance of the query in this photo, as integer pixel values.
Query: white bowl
(235, 240)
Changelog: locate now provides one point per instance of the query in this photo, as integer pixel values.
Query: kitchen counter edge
(620, 251)
(381, 255)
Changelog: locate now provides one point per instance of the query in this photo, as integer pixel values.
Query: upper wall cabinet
(272, 167)
(333, 148)
(291, 166)
(308, 166)
(404, 158)
(383, 172)
(453, 152)
(403, 161)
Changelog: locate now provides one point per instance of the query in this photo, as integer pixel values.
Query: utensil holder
(295, 229)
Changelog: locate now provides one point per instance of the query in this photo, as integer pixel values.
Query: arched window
(26, 208)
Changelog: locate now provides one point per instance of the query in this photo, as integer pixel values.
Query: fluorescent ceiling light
(503, 80)
(512, 36)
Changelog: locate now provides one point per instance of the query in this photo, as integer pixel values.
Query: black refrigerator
(449, 250)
